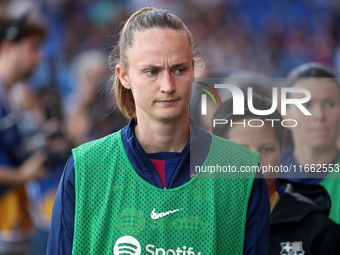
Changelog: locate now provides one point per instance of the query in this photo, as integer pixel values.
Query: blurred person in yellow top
(20, 40)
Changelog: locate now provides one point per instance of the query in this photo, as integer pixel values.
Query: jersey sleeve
(60, 239)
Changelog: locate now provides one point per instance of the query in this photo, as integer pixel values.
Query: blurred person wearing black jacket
(20, 40)
(299, 222)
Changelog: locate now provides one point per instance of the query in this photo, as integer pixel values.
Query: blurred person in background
(20, 40)
(91, 112)
(48, 133)
(242, 79)
(299, 222)
(114, 189)
(314, 151)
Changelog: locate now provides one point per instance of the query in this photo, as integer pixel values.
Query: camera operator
(20, 41)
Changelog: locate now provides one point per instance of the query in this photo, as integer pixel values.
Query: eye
(307, 105)
(266, 149)
(328, 104)
(180, 71)
(151, 72)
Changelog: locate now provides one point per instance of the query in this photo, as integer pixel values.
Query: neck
(307, 155)
(271, 186)
(155, 136)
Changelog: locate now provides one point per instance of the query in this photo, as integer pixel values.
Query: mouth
(320, 131)
(168, 102)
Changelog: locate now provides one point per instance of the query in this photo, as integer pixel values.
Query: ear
(123, 76)
(193, 70)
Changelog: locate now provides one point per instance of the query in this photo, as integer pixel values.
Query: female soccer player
(314, 152)
(132, 191)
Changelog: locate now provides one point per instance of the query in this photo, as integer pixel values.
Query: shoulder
(233, 146)
(97, 145)
(236, 161)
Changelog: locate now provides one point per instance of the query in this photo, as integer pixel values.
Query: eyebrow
(267, 143)
(158, 67)
(179, 65)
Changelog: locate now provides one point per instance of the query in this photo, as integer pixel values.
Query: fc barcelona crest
(291, 248)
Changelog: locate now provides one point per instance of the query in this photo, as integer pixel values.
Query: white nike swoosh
(156, 216)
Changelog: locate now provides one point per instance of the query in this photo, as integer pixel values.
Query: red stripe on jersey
(160, 167)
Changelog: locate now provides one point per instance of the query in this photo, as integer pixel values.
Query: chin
(172, 116)
(322, 144)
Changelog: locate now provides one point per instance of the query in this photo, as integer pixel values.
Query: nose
(318, 112)
(167, 83)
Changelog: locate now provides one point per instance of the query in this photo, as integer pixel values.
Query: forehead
(319, 88)
(252, 136)
(157, 35)
(153, 44)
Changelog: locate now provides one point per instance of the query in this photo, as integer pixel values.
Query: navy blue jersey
(9, 135)
(62, 226)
